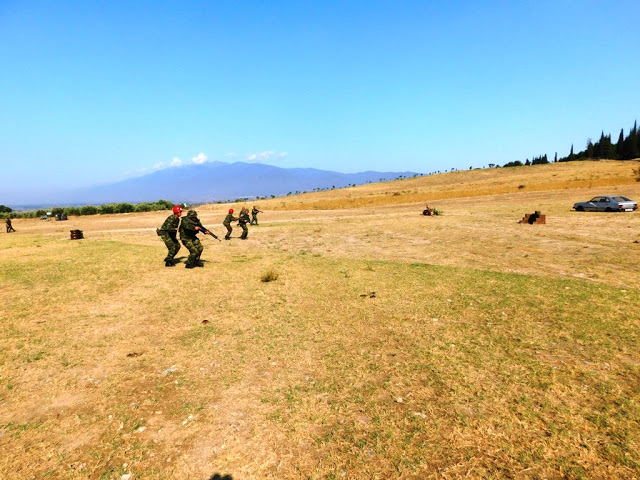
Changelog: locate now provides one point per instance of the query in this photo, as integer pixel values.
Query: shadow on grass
(217, 476)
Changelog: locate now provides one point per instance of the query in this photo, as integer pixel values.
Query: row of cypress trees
(626, 148)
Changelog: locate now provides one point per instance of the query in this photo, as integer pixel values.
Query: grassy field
(390, 345)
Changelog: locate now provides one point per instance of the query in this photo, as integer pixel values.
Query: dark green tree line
(626, 148)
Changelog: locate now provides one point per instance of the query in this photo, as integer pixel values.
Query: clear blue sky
(94, 92)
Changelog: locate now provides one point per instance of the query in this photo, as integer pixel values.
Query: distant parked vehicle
(607, 203)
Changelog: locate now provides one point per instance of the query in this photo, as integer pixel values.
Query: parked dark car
(607, 203)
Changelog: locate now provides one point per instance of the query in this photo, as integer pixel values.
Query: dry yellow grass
(390, 345)
(472, 183)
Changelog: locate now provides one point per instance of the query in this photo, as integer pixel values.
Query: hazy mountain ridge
(218, 181)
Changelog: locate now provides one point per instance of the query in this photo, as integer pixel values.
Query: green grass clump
(269, 276)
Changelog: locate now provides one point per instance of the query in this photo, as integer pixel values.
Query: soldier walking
(254, 215)
(168, 232)
(227, 223)
(189, 229)
(9, 226)
(243, 219)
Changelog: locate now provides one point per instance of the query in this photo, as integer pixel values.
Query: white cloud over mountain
(200, 158)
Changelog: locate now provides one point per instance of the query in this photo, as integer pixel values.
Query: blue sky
(95, 92)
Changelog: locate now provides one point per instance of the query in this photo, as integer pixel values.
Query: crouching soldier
(242, 221)
(189, 229)
(227, 223)
(168, 232)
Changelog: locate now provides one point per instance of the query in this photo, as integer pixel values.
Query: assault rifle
(206, 231)
(209, 232)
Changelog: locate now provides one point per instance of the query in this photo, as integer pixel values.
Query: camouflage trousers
(172, 245)
(195, 249)
(229, 230)
(245, 230)
(254, 219)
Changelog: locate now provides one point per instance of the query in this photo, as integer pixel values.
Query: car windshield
(621, 199)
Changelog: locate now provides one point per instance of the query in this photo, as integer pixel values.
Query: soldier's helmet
(192, 213)
(231, 210)
(177, 209)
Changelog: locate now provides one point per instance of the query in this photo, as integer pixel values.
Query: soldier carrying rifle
(254, 215)
(243, 219)
(189, 229)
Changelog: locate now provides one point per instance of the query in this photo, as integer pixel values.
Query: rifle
(209, 232)
(206, 231)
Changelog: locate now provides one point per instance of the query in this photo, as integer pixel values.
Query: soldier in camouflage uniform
(9, 226)
(227, 223)
(254, 215)
(168, 232)
(189, 228)
(243, 219)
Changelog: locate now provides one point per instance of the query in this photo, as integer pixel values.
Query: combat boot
(199, 263)
(188, 265)
(169, 263)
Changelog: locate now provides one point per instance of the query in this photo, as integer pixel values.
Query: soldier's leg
(169, 243)
(198, 248)
(229, 230)
(245, 231)
(175, 248)
(191, 259)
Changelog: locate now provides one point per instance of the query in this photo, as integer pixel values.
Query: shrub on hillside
(106, 209)
(164, 205)
(72, 210)
(124, 208)
(145, 207)
(88, 210)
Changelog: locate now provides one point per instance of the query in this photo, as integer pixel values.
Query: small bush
(269, 276)
(106, 209)
(87, 210)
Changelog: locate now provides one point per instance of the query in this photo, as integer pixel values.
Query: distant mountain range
(219, 181)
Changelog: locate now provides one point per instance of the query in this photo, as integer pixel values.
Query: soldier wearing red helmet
(227, 223)
(168, 232)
